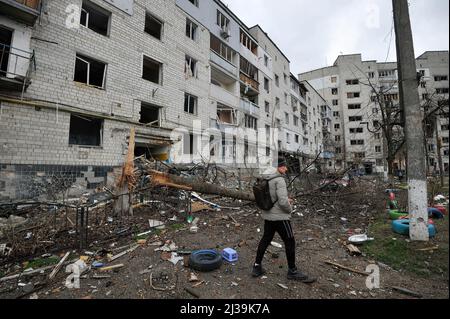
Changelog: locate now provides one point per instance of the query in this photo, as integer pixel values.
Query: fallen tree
(164, 179)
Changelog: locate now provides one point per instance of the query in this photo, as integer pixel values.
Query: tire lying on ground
(205, 260)
(396, 214)
(401, 227)
(435, 213)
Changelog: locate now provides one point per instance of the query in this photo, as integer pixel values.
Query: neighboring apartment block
(350, 86)
(188, 75)
(434, 93)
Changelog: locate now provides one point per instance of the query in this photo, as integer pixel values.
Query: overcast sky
(312, 33)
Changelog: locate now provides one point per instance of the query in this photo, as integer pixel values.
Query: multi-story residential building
(319, 128)
(434, 94)
(345, 87)
(350, 86)
(78, 80)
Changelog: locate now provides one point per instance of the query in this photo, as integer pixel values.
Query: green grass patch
(43, 262)
(177, 226)
(394, 250)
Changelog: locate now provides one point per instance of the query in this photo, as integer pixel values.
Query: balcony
(326, 114)
(304, 117)
(326, 129)
(224, 64)
(26, 11)
(223, 96)
(249, 81)
(250, 108)
(15, 68)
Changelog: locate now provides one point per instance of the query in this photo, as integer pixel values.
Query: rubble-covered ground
(322, 223)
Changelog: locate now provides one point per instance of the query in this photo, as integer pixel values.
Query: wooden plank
(354, 251)
(58, 266)
(111, 267)
(123, 253)
(346, 268)
(407, 292)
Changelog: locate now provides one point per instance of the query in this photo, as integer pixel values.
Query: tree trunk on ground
(160, 178)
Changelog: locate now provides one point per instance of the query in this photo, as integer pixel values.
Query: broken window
(354, 106)
(335, 102)
(336, 114)
(266, 84)
(356, 130)
(352, 82)
(222, 49)
(190, 67)
(222, 21)
(153, 26)
(338, 150)
(297, 138)
(353, 95)
(95, 18)
(355, 118)
(337, 127)
(191, 29)
(251, 122)
(151, 70)
(5, 47)
(86, 131)
(337, 138)
(248, 69)
(90, 71)
(439, 78)
(386, 73)
(378, 149)
(334, 91)
(149, 114)
(249, 43)
(190, 103)
(360, 155)
(226, 115)
(357, 142)
(188, 144)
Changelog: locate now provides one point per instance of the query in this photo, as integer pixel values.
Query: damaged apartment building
(77, 75)
(351, 86)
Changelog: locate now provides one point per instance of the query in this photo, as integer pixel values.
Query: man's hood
(271, 172)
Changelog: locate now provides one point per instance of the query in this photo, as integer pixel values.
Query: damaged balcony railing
(16, 67)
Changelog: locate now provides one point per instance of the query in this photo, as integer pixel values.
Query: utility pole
(409, 97)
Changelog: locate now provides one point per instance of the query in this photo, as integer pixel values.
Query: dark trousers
(284, 229)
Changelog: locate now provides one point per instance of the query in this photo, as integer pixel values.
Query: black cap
(282, 162)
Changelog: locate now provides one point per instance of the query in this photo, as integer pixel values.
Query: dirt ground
(320, 230)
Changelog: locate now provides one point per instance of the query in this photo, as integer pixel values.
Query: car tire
(205, 260)
(401, 227)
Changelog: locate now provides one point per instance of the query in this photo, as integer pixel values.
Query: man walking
(277, 219)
